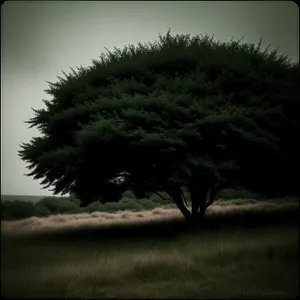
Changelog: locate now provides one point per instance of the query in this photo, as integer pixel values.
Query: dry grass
(97, 219)
(152, 258)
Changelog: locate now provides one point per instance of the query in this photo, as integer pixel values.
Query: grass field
(241, 251)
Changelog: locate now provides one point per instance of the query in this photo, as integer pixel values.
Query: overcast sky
(39, 39)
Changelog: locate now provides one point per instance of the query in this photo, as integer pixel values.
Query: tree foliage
(182, 112)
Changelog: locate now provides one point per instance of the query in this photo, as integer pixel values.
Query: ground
(241, 251)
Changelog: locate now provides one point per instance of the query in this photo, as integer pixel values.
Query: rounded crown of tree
(165, 112)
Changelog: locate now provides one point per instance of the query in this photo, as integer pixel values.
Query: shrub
(93, 207)
(58, 205)
(129, 194)
(15, 210)
(129, 201)
(130, 204)
(158, 200)
(114, 207)
(238, 193)
(147, 204)
(284, 200)
(41, 211)
(240, 201)
(74, 200)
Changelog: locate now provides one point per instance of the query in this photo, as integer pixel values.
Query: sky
(39, 39)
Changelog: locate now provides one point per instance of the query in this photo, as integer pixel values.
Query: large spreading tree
(183, 112)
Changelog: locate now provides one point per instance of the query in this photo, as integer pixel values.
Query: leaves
(168, 111)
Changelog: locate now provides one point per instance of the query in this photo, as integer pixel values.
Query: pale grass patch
(81, 216)
(59, 218)
(97, 214)
(158, 211)
(32, 221)
(96, 219)
(124, 215)
(108, 216)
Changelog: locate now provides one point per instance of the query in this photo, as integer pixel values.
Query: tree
(182, 112)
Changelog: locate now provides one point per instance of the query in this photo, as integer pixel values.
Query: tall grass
(239, 252)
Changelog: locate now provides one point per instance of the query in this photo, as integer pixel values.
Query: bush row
(14, 210)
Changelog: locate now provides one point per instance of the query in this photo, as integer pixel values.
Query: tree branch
(165, 199)
(183, 197)
(171, 194)
(211, 198)
(176, 194)
(218, 186)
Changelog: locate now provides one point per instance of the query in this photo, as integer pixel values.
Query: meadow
(245, 249)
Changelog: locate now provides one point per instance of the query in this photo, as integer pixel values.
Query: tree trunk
(176, 194)
(198, 197)
(197, 216)
(201, 197)
(186, 213)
